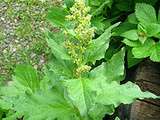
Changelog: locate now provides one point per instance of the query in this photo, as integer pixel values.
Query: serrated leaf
(113, 70)
(144, 50)
(115, 94)
(131, 35)
(145, 13)
(97, 49)
(152, 29)
(155, 55)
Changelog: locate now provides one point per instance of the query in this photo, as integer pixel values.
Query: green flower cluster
(82, 32)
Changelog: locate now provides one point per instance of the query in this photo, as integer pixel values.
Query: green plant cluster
(82, 79)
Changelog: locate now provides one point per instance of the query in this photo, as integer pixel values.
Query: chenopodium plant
(74, 86)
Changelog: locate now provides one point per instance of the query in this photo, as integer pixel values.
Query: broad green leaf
(82, 98)
(47, 105)
(78, 93)
(56, 46)
(115, 94)
(132, 19)
(131, 60)
(61, 68)
(155, 55)
(5, 105)
(27, 76)
(131, 35)
(152, 29)
(14, 89)
(144, 50)
(131, 43)
(97, 49)
(113, 70)
(145, 13)
(57, 16)
(124, 27)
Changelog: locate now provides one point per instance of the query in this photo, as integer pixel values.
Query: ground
(22, 40)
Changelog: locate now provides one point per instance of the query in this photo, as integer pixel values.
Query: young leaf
(142, 33)
(131, 60)
(132, 19)
(131, 35)
(152, 29)
(145, 13)
(131, 43)
(124, 27)
(144, 50)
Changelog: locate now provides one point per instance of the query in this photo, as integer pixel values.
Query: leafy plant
(144, 38)
(82, 81)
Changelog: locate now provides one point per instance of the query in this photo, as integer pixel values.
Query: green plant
(142, 39)
(82, 80)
